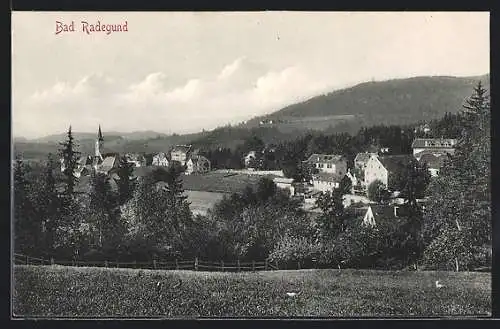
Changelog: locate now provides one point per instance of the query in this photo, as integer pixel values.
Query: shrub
(293, 249)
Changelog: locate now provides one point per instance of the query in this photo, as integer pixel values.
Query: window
(329, 165)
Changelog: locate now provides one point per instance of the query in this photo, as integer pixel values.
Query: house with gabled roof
(380, 168)
(197, 164)
(433, 145)
(329, 163)
(160, 159)
(323, 182)
(180, 153)
(383, 214)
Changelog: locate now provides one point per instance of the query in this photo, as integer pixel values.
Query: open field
(105, 292)
(201, 201)
(219, 181)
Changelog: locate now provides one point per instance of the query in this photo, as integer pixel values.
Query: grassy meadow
(59, 291)
(201, 201)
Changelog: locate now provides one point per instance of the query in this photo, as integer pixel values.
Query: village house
(422, 146)
(197, 164)
(329, 163)
(180, 153)
(380, 168)
(285, 184)
(323, 182)
(137, 160)
(376, 214)
(160, 159)
(358, 171)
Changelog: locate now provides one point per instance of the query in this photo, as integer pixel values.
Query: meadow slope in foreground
(48, 291)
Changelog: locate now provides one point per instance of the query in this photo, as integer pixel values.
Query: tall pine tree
(69, 156)
(125, 182)
(457, 225)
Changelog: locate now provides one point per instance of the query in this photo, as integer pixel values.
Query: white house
(380, 168)
(433, 145)
(160, 159)
(324, 182)
(329, 163)
(180, 153)
(197, 164)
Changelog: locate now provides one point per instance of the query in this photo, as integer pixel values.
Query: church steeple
(99, 135)
(98, 145)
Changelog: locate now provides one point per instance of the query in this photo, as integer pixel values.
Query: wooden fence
(196, 264)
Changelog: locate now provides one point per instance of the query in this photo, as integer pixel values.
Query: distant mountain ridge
(111, 135)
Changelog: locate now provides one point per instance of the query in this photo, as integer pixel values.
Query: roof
(392, 162)
(363, 157)
(383, 214)
(160, 154)
(326, 158)
(433, 142)
(326, 177)
(432, 161)
(182, 148)
(108, 163)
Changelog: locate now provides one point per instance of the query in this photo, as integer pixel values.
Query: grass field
(219, 181)
(99, 292)
(201, 201)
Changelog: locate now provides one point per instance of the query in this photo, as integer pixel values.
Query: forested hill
(398, 101)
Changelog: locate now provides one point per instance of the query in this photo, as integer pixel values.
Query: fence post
(265, 265)
(117, 264)
(222, 265)
(196, 264)
(135, 264)
(277, 265)
(52, 260)
(154, 264)
(43, 261)
(176, 264)
(239, 269)
(298, 264)
(105, 263)
(253, 266)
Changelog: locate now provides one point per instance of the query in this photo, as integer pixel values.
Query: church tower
(98, 144)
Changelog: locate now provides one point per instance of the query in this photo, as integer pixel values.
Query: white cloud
(242, 89)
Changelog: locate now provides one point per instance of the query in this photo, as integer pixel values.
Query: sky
(180, 72)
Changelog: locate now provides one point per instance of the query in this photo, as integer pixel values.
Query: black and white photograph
(260, 164)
